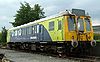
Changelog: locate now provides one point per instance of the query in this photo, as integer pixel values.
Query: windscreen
(80, 24)
(71, 24)
(87, 24)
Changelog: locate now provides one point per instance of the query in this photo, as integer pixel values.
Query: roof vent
(66, 12)
(78, 12)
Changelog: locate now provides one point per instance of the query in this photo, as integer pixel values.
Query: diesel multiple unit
(62, 32)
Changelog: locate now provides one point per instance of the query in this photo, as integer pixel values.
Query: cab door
(70, 28)
(59, 30)
(56, 29)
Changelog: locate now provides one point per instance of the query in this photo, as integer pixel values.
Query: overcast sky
(8, 8)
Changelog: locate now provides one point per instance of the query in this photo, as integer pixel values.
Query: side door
(59, 30)
(41, 33)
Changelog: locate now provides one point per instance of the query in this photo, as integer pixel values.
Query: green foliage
(3, 35)
(0, 36)
(38, 11)
(27, 14)
(96, 36)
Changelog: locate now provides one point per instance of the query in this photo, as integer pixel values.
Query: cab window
(87, 24)
(71, 24)
(80, 24)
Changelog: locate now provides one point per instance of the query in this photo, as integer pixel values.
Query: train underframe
(60, 48)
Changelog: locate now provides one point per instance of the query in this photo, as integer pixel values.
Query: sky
(8, 8)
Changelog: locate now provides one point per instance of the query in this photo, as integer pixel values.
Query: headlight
(74, 43)
(93, 43)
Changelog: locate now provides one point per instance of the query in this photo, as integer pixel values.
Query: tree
(27, 14)
(0, 36)
(38, 12)
(4, 35)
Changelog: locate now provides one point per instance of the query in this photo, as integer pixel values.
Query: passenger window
(27, 30)
(33, 29)
(40, 29)
(30, 30)
(24, 31)
(12, 33)
(59, 25)
(51, 25)
(37, 28)
(16, 33)
(19, 32)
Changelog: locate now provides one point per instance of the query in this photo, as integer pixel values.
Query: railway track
(72, 57)
(80, 58)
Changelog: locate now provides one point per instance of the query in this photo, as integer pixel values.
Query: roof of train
(65, 12)
(43, 19)
(36, 21)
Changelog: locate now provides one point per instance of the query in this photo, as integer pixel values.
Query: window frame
(16, 32)
(30, 30)
(12, 33)
(81, 25)
(69, 24)
(87, 21)
(37, 28)
(59, 25)
(51, 25)
(24, 31)
(19, 32)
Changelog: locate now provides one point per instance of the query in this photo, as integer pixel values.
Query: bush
(97, 36)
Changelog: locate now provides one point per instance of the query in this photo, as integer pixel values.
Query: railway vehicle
(67, 31)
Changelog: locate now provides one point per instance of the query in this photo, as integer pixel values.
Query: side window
(30, 30)
(40, 29)
(27, 29)
(33, 29)
(37, 28)
(12, 33)
(59, 25)
(51, 25)
(19, 32)
(16, 33)
(23, 31)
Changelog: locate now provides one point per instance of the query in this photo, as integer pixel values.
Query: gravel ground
(17, 56)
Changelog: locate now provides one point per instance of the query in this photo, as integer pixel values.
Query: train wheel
(33, 47)
(61, 51)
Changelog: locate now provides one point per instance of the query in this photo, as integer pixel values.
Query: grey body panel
(41, 36)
